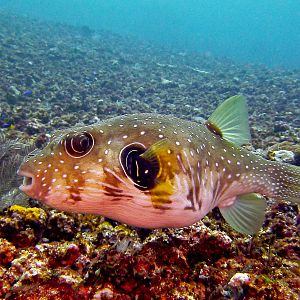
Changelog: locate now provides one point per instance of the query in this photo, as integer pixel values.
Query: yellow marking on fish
(168, 167)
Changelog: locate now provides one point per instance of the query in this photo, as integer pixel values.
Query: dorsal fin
(230, 120)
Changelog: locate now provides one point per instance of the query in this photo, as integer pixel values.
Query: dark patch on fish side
(74, 190)
(197, 186)
(190, 197)
(116, 198)
(160, 207)
(189, 208)
(112, 191)
(75, 196)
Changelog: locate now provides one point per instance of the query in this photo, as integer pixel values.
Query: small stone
(239, 279)
(282, 156)
(13, 90)
(104, 293)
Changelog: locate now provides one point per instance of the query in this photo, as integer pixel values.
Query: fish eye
(141, 171)
(79, 144)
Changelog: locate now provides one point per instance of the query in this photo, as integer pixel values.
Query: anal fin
(246, 215)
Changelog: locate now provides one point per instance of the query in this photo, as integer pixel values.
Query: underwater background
(266, 31)
(69, 63)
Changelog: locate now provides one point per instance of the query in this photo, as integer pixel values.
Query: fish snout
(28, 181)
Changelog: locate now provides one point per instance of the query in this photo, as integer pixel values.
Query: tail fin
(286, 182)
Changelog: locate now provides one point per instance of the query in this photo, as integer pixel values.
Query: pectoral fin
(156, 150)
(247, 214)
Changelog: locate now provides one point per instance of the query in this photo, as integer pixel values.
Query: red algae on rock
(7, 252)
(22, 226)
(104, 260)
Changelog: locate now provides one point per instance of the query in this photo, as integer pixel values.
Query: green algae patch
(123, 229)
(105, 226)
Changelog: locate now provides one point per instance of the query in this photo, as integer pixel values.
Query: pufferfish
(155, 171)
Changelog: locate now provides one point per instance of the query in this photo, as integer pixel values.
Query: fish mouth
(28, 181)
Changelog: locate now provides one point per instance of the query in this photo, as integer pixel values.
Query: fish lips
(28, 181)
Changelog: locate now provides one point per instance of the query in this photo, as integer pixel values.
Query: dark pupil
(79, 145)
(143, 172)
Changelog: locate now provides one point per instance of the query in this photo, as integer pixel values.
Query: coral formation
(103, 260)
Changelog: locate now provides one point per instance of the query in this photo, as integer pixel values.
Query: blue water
(251, 31)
